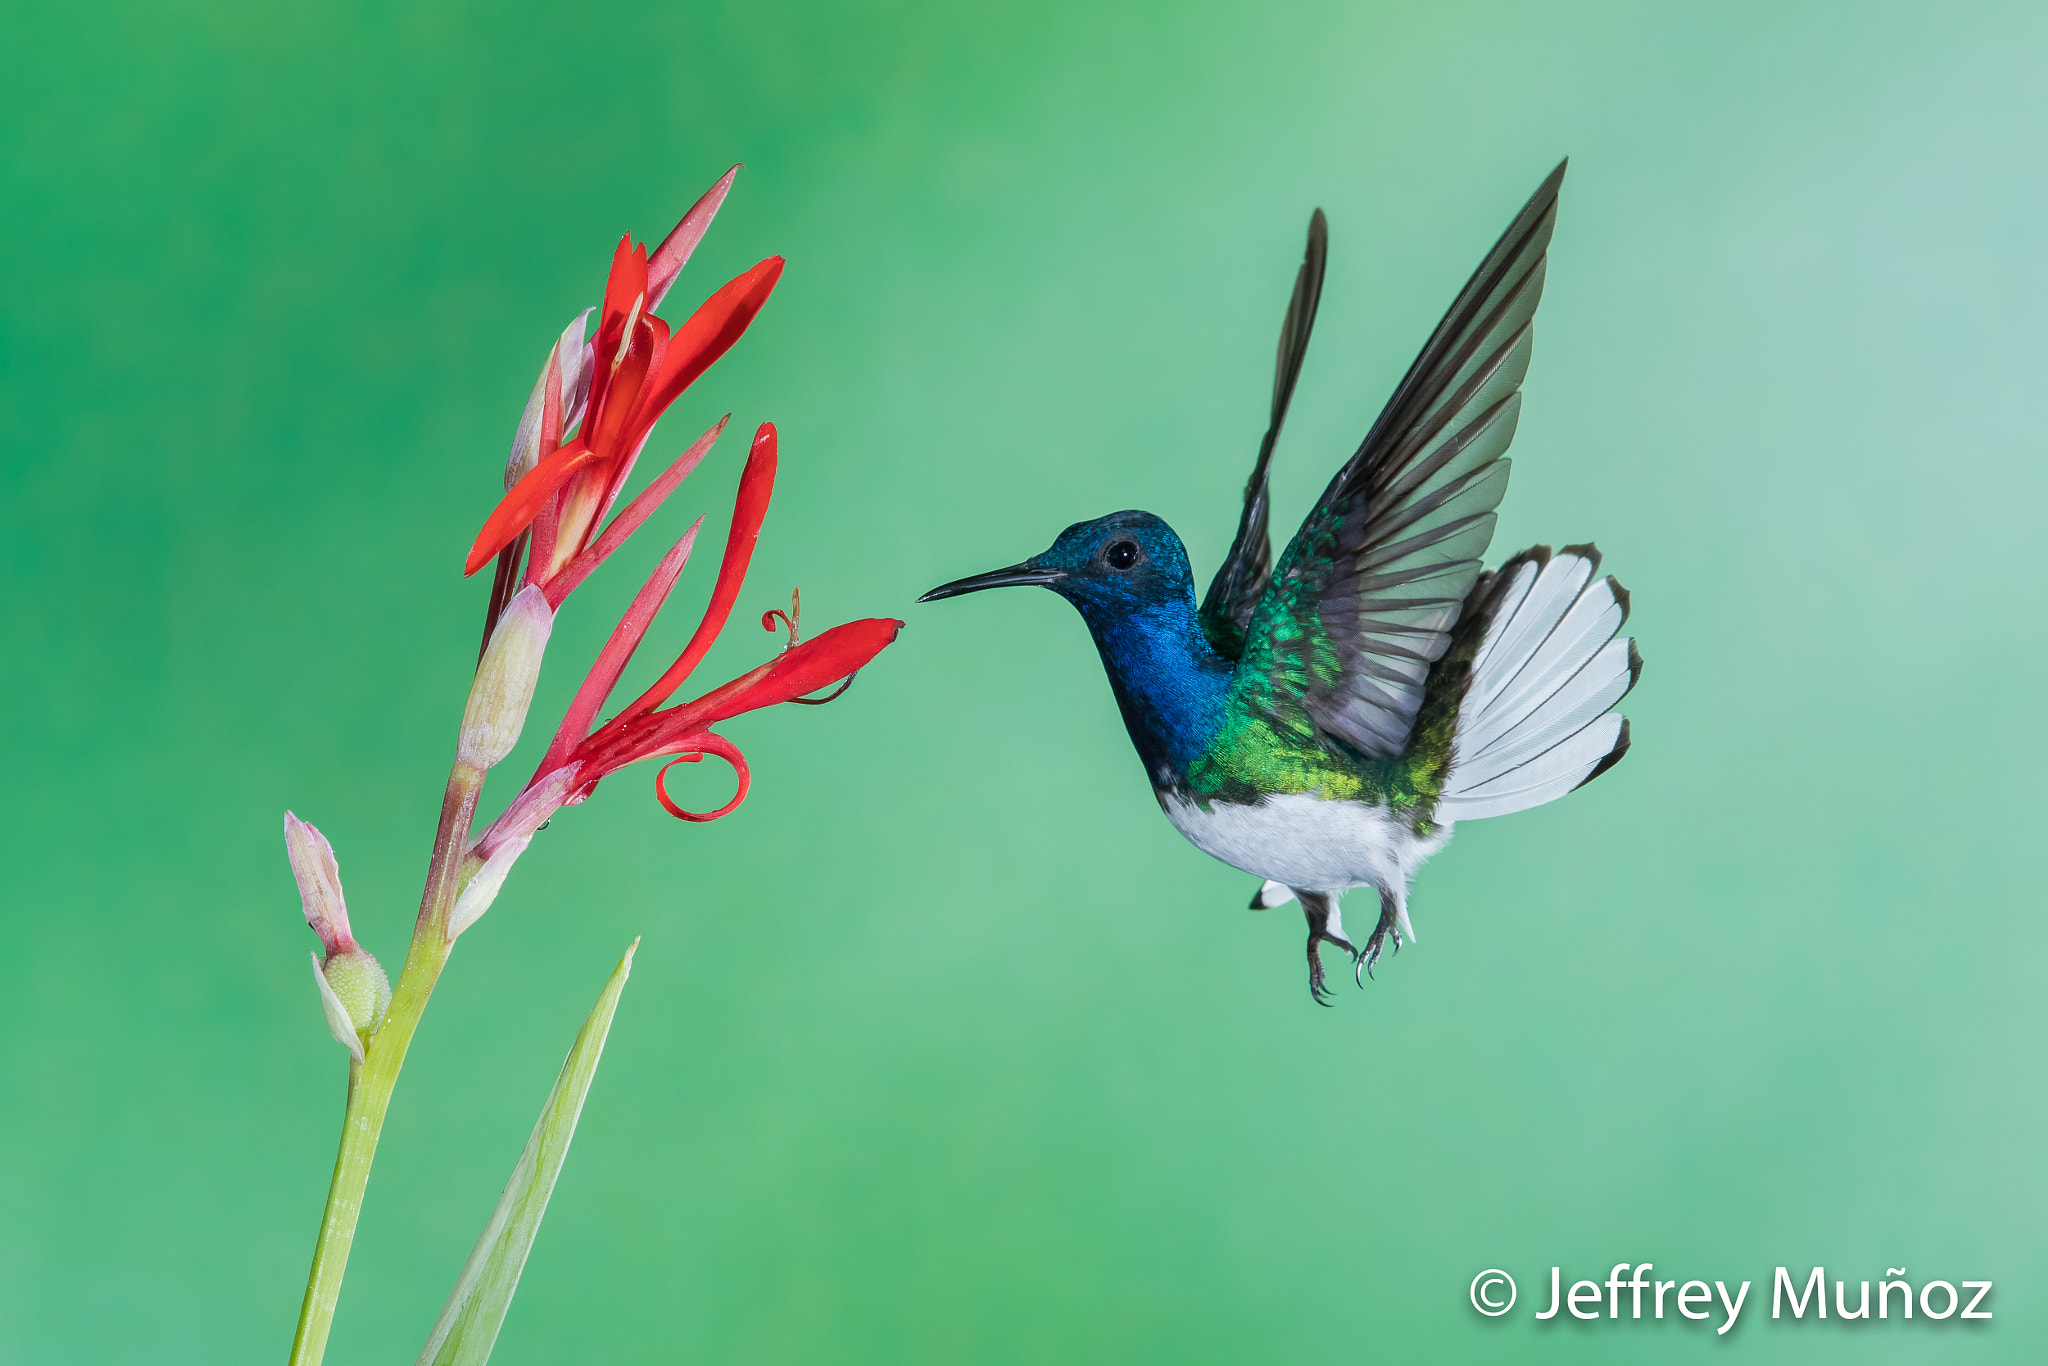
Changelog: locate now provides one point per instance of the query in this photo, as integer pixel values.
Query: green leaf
(468, 1326)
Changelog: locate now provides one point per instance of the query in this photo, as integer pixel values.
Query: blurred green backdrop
(946, 1048)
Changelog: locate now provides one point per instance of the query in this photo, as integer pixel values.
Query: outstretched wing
(1368, 591)
(1241, 582)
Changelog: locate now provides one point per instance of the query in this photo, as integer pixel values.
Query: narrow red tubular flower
(626, 401)
(802, 668)
(633, 369)
(583, 752)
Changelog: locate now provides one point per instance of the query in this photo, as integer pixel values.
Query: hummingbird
(1322, 721)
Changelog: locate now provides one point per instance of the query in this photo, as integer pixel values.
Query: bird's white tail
(1535, 722)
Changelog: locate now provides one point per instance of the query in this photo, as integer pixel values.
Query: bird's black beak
(1016, 574)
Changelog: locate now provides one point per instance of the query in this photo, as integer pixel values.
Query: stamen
(788, 619)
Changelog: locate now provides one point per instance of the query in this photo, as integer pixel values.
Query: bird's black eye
(1121, 555)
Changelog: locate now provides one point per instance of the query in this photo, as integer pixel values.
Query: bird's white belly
(1306, 842)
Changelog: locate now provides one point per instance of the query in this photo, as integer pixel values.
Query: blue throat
(1171, 687)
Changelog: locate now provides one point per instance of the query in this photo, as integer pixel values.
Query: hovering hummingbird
(1323, 722)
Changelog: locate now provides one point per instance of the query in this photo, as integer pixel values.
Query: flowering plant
(590, 414)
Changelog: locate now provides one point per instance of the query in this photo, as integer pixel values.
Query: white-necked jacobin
(1323, 722)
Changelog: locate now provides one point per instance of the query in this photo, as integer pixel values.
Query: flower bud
(354, 995)
(504, 681)
(319, 879)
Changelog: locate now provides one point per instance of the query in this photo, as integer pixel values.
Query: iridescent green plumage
(1269, 744)
(1339, 656)
(1321, 721)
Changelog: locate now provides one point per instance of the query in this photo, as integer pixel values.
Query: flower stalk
(371, 1081)
(591, 412)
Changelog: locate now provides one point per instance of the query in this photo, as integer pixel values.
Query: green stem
(371, 1084)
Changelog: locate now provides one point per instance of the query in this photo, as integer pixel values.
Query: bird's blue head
(1113, 568)
(1128, 575)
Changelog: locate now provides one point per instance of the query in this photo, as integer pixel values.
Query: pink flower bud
(319, 883)
(354, 992)
(504, 680)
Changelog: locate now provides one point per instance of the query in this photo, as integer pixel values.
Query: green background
(945, 1047)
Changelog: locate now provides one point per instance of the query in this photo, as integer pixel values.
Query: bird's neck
(1170, 685)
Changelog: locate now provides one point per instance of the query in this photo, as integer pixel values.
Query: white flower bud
(504, 681)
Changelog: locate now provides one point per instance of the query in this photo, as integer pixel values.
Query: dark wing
(1369, 589)
(1241, 582)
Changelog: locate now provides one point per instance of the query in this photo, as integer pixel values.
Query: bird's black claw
(1387, 931)
(1318, 907)
(1316, 989)
(1316, 985)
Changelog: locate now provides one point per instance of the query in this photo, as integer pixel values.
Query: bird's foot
(1388, 930)
(1325, 926)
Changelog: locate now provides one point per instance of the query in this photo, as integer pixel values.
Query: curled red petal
(757, 484)
(517, 509)
(705, 744)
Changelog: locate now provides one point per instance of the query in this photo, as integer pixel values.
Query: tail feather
(1551, 719)
(1553, 585)
(1535, 722)
(1587, 627)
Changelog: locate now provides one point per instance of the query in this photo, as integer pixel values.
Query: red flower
(611, 392)
(617, 387)
(582, 753)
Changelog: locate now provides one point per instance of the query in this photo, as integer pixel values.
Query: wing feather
(1366, 596)
(1239, 584)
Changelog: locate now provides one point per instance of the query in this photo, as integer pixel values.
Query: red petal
(611, 660)
(704, 336)
(625, 375)
(626, 279)
(626, 282)
(757, 483)
(802, 668)
(628, 521)
(669, 258)
(517, 509)
(700, 746)
(622, 467)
